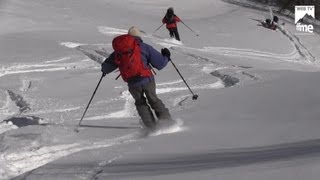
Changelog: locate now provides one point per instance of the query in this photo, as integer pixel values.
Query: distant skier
(170, 19)
(271, 24)
(134, 59)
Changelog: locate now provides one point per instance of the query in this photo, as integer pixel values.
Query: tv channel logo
(303, 15)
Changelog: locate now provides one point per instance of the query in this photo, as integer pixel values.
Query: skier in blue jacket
(143, 89)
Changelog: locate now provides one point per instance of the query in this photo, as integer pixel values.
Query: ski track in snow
(110, 31)
(46, 66)
(301, 49)
(55, 110)
(295, 56)
(95, 52)
(71, 44)
(22, 161)
(248, 53)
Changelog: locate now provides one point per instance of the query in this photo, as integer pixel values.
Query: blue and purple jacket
(149, 56)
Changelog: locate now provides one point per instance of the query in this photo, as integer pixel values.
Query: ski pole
(79, 124)
(154, 72)
(194, 96)
(189, 28)
(157, 28)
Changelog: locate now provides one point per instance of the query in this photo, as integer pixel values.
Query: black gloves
(104, 68)
(166, 52)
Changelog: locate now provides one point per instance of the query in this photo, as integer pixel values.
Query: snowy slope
(256, 116)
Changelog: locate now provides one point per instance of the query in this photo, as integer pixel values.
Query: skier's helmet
(268, 21)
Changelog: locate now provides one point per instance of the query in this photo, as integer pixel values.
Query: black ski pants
(174, 33)
(146, 98)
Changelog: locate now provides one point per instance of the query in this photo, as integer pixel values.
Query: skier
(170, 19)
(271, 24)
(142, 87)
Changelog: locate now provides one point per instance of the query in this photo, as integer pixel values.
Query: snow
(7, 127)
(256, 116)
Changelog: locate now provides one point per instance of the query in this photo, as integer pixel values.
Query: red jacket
(171, 23)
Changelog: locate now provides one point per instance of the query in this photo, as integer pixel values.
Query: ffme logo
(301, 14)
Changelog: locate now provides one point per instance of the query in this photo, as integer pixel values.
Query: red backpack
(127, 55)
